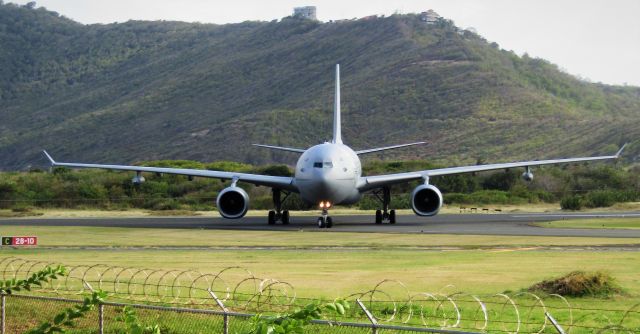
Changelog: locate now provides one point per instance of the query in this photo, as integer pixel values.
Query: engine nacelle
(138, 180)
(426, 200)
(232, 202)
(527, 176)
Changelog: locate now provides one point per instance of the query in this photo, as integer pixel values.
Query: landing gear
(325, 220)
(322, 223)
(278, 214)
(385, 214)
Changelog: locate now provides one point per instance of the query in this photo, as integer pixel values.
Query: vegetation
(296, 321)
(580, 284)
(480, 265)
(352, 262)
(575, 187)
(609, 223)
(140, 90)
(134, 326)
(66, 319)
(36, 279)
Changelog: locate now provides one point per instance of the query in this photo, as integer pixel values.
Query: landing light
(326, 204)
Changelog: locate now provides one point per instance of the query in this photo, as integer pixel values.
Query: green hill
(171, 90)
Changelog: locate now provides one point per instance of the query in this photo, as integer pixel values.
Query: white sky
(595, 39)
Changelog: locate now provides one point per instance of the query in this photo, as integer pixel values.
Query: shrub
(456, 198)
(572, 202)
(162, 204)
(580, 284)
(21, 208)
(601, 199)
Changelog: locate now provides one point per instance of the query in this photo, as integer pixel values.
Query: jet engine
(138, 180)
(527, 176)
(232, 202)
(426, 200)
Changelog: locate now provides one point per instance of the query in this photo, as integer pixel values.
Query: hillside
(170, 90)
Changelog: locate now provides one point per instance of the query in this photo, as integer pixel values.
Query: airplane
(329, 174)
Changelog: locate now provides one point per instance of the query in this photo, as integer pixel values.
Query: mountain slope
(159, 90)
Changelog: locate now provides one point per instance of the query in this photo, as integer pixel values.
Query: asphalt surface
(474, 224)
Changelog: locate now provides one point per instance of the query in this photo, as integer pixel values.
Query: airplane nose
(323, 185)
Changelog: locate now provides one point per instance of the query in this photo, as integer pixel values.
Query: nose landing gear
(385, 214)
(324, 220)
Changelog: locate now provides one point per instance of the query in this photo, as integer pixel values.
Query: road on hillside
(478, 224)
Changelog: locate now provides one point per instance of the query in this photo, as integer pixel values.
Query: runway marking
(581, 215)
(514, 249)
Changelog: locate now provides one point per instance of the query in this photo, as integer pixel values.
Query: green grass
(320, 273)
(158, 238)
(608, 223)
(340, 263)
(330, 264)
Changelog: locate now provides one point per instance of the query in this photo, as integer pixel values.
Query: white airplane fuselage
(329, 172)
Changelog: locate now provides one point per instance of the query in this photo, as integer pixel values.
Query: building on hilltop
(430, 16)
(307, 12)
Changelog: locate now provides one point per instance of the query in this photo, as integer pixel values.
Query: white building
(307, 12)
(429, 16)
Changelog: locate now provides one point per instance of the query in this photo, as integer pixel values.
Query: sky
(597, 40)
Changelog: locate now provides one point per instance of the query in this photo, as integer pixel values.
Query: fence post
(2, 318)
(554, 323)
(225, 316)
(374, 322)
(100, 309)
(101, 318)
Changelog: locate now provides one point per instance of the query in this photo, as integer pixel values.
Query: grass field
(330, 264)
(614, 223)
(447, 209)
(323, 264)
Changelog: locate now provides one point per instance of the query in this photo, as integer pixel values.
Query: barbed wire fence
(191, 301)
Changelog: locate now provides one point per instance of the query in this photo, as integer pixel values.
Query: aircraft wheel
(321, 222)
(272, 217)
(378, 217)
(329, 222)
(392, 217)
(285, 217)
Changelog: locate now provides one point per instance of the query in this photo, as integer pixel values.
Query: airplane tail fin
(337, 130)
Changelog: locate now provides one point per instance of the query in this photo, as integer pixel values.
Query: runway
(467, 224)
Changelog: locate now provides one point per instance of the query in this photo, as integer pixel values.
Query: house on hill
(307, 12)
(430, 16)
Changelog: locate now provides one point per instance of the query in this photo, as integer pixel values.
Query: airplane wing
(377, 181)
(288, 149)
(372, 150)
(280, 182)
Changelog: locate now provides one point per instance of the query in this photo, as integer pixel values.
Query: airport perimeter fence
(194, 302)
(22, 313)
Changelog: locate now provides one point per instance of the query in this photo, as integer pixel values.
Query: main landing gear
(385, 214)
(278, 214)
(325, 220)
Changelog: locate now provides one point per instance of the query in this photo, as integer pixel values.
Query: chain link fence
(21, 313)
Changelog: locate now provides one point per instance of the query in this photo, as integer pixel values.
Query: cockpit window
(326, 164)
